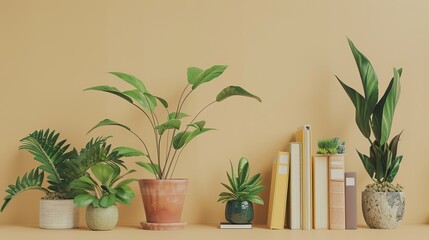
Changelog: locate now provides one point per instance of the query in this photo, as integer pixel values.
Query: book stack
(311, 192)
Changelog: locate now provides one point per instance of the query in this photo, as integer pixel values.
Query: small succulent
(241, 186)
(331, 146)
(106, 189)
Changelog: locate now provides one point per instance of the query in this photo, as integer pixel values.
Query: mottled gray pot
(383, 210)
(102, 219)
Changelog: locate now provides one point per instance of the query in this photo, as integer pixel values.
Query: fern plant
(60, 165)
(102, 188)
(169, 137)
(374, 119)
(241, 187)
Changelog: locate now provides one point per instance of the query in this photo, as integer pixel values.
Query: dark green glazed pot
(237, 211)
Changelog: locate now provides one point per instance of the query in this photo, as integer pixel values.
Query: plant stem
(141, 109)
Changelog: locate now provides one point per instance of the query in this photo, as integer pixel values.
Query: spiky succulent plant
(331, 146)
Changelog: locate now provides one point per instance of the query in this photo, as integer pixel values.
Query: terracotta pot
(383, 210)
(58, 214)
(163, 199)
(102, 219)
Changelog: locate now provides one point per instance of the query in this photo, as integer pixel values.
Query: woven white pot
(58, 214)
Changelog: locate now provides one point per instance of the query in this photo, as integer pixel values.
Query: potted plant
(57, 210)
(382, 202)
(242, 193)
(171, 136)
(100, 193)
(331, 146)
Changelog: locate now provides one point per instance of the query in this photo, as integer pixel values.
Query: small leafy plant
(103, 188)
(374, 117)
(241, 186)
(61, 166)
(168, 137)
(331, 146)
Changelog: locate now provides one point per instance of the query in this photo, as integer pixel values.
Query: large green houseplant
(374, 118)
(170, 135)
(61, 167)
(100, 190)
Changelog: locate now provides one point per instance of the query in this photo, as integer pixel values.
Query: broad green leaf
(83, 200)
(368, 77)
(104, 201)
(255, 199)
(243, 173)
(227, 187)
(152, 168)
(180, 115)
(171, 124)
(108, 122)
(235, 91)
(194, 74)
(208, 75)
(389, 108)
(179, 139)
(393, 146)
(368, 164)
(125, 192)
(362, 115)
(144, 102)
(392, 174)
(128, 152)
(162, 101)
(131, 80)
(195, 133)
(104, 173)
(152, 101)
(199, 125)
(256, 190)
(111, 90)
(126, 182)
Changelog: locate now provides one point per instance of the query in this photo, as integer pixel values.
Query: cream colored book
(337, 210)
(293, 206)
(320, 192)
(303, 135)
(278, 191)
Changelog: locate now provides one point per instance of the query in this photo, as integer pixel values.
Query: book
(293, 206)
(320, 192)
(303, 135)
(278, 191)
(336, 192)
(351, 200)
(227, 225)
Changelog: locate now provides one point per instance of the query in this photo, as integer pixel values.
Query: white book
(293, 218)
(303, 135)
(226, 225)
(320, 192)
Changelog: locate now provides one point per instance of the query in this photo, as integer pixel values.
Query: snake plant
(374, 119)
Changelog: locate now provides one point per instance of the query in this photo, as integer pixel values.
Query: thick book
(227, 225)
(303, 135)
(293, 206)
(278, 191)
(320, 192)
(351, 200)
(337, 212)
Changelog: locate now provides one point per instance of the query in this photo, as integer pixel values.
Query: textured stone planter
(163, 203)
(383, 210)
(239, 211)
(102, 219)
(58, 214)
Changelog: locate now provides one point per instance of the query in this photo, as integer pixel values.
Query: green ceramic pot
(237, 211)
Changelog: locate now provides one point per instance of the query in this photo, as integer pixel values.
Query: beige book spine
(337, 209)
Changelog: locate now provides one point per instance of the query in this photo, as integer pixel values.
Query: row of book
(311, 192)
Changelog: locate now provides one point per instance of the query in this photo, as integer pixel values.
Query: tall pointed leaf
(389, 107)
(194, 74)
(171, 124)
(136, 95)
(152, 168)
(111, 90)
(208, 75)
(369, 164)
(234, 91)
(129, 152)
(131, 80)
(368, 77)
(108, 122)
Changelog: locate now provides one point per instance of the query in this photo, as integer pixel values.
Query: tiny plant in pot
(242, 193)
(101, 190)
(164, 196)
(57, 210)
(331, 146)
(382, 202)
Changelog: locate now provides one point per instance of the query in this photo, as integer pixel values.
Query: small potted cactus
(242, 193)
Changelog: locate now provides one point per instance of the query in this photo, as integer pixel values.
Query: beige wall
(285, 52)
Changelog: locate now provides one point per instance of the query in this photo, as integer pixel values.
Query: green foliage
(61, 166)
(376, 116)
(331, 146)
(175, 133)
(241, 187)
(103, 188)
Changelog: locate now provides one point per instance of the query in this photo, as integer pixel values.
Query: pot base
(163, 226)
